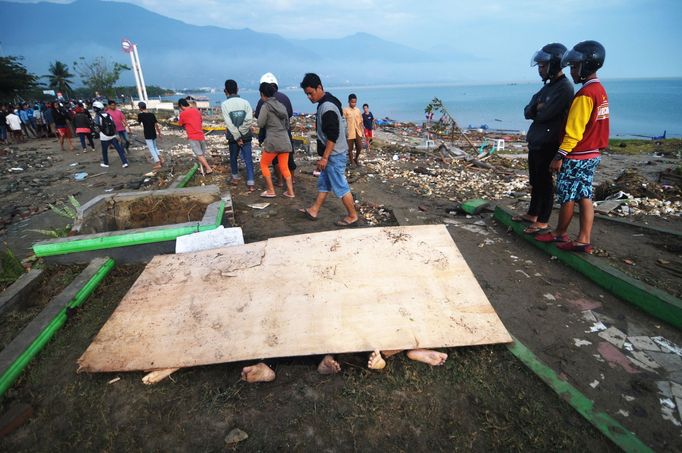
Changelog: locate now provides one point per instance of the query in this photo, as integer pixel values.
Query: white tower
(130, 48)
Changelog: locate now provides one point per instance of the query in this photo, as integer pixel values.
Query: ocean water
(638, 107)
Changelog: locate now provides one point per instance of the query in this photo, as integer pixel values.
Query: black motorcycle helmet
(552, 54)
(589, 55)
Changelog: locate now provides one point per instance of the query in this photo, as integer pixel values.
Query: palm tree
(59, 77)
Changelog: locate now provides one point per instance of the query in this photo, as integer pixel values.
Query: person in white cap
(270, 78)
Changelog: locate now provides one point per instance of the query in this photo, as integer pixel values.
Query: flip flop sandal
(344, 224)
(308, 215)
(549, 237)
(572, 246)
(265, 194)
(536, 230)
(288, 196)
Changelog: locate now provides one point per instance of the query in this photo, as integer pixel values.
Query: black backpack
(107, 125)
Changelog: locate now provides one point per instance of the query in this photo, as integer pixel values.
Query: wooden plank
(332, 292)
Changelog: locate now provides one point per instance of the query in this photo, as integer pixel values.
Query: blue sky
(642, 38)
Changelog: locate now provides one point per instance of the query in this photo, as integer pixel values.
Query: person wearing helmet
(586, 134)
(107, 135)
(548, 109)
(270, 78)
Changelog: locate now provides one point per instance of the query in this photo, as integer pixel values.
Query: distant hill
(179, 55)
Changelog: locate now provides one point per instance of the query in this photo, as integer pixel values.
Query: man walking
(238, 118)
(355, 130)
(191, 119)
(152, 131)
(122, 127)
(587, 133)
(332, 149)
(548, 109)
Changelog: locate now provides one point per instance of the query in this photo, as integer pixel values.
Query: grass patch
(671, 147)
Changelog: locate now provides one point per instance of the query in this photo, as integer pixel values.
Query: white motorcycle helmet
(97, 105)
(269, 77)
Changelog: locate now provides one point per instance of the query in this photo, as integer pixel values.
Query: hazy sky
(642, 37)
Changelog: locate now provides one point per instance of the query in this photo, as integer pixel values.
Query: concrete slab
(16, 293)
(613, 336)
(644, 343)
(670, 362)
(220, 237)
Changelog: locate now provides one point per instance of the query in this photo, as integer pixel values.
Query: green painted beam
(616, 432)
(189, 175)
(649, 299)
(10, 375)
(123, 240)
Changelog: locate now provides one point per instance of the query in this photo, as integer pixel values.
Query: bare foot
(259, 372)
(328, 365)
(376, 362)
(428, 356)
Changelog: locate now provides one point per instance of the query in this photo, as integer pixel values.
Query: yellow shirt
(354, 128)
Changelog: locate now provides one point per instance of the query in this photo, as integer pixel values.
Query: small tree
(15, 80)
(59, 77)
(98, 74)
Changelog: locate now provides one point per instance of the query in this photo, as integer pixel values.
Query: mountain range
(178, 55)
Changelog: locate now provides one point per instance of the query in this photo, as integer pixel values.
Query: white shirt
(103, 137)
(13, 121)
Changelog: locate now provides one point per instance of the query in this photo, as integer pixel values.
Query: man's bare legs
(565, 216)
(347, 201)
(259, 372)
(206, 169)
(586, 221)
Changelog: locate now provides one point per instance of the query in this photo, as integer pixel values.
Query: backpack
(107, 125)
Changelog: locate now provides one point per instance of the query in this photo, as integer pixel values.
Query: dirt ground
(482, 399)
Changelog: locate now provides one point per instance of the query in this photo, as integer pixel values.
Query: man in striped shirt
(587, 133)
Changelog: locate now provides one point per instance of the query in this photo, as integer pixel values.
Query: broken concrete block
(676, 389)
(605, 207)
(664, 388)
(596, 327)
(614, 336)
(640, 359)
(670, 362)
(667, 345)
(644, 343)
(589, 316)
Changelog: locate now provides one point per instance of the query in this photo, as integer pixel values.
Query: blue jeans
(248, 161)
(124, 137)
(153, 149)
(83, 136)
(119, 149)
(3, 132)
(333, 177)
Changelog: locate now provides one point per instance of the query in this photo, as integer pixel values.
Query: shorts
(198, 147)
(369, 133)
(575, 179)
(64, 132)
(333, 177)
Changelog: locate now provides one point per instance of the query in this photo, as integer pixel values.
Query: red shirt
(191, 119)
(118, 118)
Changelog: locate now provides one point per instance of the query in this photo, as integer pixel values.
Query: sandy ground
(482, 399)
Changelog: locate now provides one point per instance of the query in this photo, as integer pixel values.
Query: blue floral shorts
(575, 179)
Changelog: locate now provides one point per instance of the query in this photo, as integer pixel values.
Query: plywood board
(338, 291)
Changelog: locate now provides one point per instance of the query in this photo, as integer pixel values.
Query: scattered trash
(594, 384)
(259, 205)
(521, 272)
(80, 176)
(624, 413)
(13, 169)
(629, 262)
(73, 164)
(116, 379)
(628, 398)
(596, 327)
(549, 296)
(578, 342)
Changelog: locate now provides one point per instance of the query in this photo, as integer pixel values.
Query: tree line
(97, 75)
